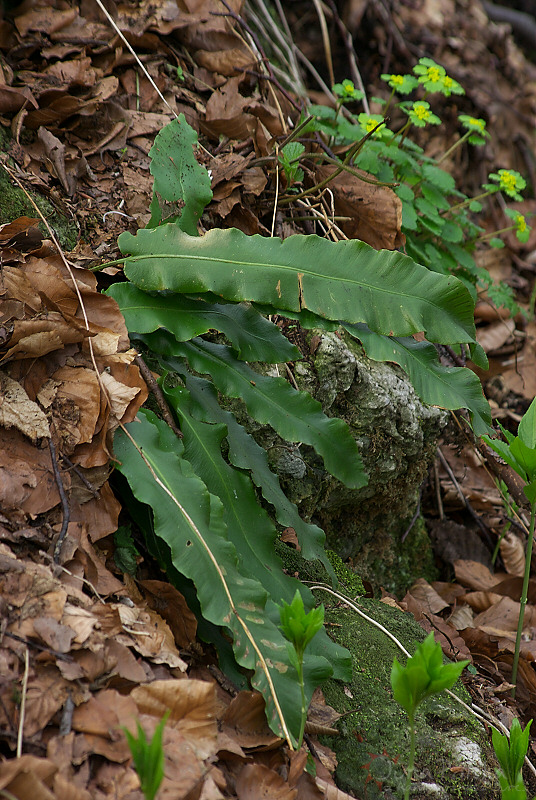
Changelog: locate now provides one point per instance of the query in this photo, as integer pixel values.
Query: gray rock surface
(396, 434)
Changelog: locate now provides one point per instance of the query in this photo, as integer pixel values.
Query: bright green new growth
(423, 676)
(289, 158)
(300, 629)
(519, 452)
(148, 757)
(511, 755)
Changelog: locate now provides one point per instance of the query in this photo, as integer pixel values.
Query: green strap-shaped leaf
(347, 281)
(446, 387)
(296, 416)
(245, 453)
(249, 527)
(181, 186)
(190, 521)
(253, 337)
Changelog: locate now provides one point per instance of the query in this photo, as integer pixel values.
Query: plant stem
(453, 147)
(411, 761)
(303, 701)
(524, 595)
(466, 202)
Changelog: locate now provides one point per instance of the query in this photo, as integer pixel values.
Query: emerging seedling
(423, 676)
(289, 158)
(148, 757)
(300, 628)
(520, 453)
(510, 755)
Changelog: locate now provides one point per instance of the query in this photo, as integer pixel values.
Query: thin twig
(41, 647)
(64, 502)
(348, 41)
(325, 39)
(463, 498)
(20, 734)
(413, 519)
(78, 472)
(155, 388)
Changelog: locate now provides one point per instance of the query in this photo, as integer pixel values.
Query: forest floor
(84, 647)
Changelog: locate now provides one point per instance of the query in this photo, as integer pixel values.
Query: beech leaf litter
(86, 650)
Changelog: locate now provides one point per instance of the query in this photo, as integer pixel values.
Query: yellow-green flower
(402, 84)
(369, 122)
(477, 128)
(420, 114)
(510, 182)
(346, 91)
(434, 78)
(522, 229)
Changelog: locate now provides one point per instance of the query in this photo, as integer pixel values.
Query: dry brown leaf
(18, 411)
(427, 596)
(257, 782)
(513, 554)
(503, 616)
(474, 575)
(480, 601)
(494, 336)
(192, 707)
(167, 601)
(244, 721)
(375, 211)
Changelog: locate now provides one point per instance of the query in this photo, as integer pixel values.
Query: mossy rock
(14, 204)
(397, 436)
(453, 759)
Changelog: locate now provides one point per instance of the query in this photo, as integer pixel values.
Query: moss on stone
(373, 746)
(15, 204)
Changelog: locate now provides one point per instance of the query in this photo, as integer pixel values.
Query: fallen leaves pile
(84, 648)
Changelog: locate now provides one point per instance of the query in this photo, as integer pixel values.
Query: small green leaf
(181, 185)
(424, 675)
(527, 427)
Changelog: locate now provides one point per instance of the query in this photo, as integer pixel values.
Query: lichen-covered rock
(396, 434)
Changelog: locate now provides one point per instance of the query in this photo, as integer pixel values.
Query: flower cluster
(420, 114)
(510, 182)
(373, 123)
(347, 92)
(434, 78)
(476, 127)
(401, 84)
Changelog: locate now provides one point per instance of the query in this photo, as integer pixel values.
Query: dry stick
(348, 41)
(462, 497)
(64, 502)
(325, 39)
(41, 647)
(155, 388)
(290, 60)
(265, 61)
(218, 569)
(23, 702)
(78, 472)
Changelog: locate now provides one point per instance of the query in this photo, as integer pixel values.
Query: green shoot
(510, 755)
(519, 452)
(289, 158)
(300, 628)
(423, 676)
(148, 757)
